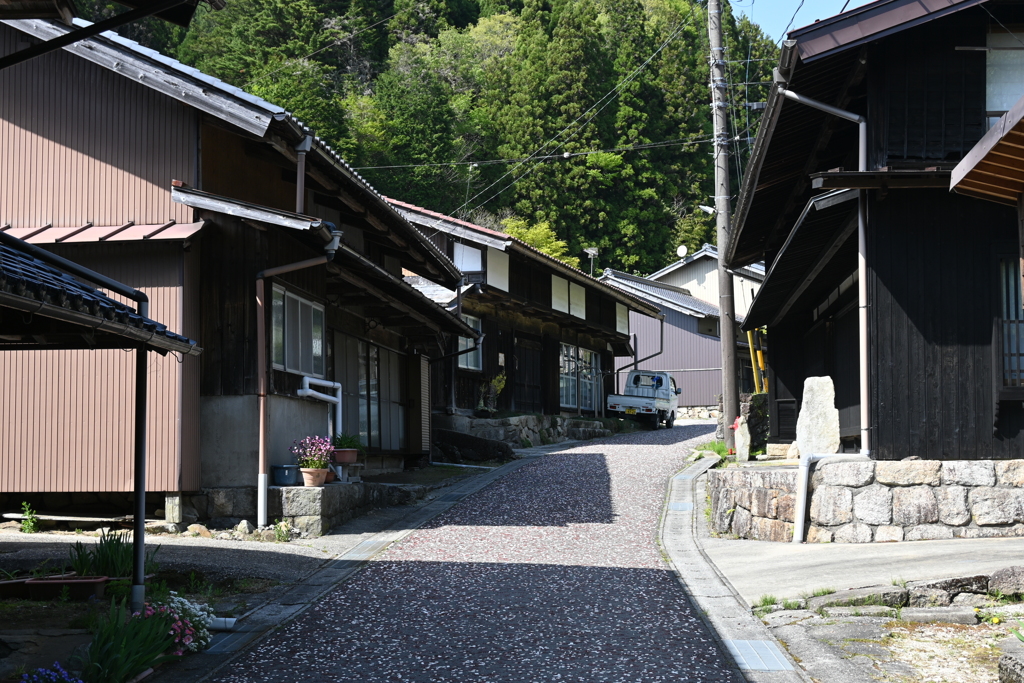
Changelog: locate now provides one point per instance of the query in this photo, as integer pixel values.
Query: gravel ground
(551, 574)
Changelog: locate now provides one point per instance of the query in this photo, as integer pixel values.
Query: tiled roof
(49, 292)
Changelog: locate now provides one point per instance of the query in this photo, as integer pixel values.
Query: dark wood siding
(933, 295)
(927, 97)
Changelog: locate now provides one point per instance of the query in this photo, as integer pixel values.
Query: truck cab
(648, 394)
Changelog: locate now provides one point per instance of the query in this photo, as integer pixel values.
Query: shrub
(30, 524)
(197, 619)
(124, 646)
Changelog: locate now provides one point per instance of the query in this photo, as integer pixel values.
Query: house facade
(878, 276)
(191, 190)
(550, 329)
(697, 273)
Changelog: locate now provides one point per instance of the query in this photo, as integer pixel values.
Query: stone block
(741, 523)
(743, 441)
(927, 532)
(890, 596)
(1011, 665)
(994, 506)
(794, 451)
(872, 505)
(831, 505)
(1008, 581)
(760, 502)
(928, 597)
(188, 514)
(994, 531)
(786, 507)
(862, 611)
(815, 534)
(199, 529)
(817, 425)
(914, 505)
(908, 472)
(201, 503)
(888, 534)
(301, 501)
(772, 530)
(847, 473)
(1010, 472)
(968, 473)
(953, 508)
(976, 583)
(742, 498)
(310, 526)
(777, 450)
(245, 527)
(852, 533)
(970, 600)
(721, 509)
(172, 508)
(237, 501)
(939, 615)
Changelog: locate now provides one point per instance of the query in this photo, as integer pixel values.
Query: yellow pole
(753, 362)
(760, 361)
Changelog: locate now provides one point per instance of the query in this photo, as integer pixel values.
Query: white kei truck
(649, 395)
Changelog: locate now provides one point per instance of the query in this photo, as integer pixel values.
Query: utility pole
(723, 212)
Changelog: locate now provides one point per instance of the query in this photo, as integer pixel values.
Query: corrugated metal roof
(126, 232)
(660, 293)
(753, 270)
(435, 292)
(28, 284)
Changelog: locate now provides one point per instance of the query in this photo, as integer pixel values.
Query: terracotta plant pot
(79, 587)
(344, 456)
(311, 477)
(331, 476)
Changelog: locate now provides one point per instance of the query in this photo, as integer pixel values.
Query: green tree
(541, 237)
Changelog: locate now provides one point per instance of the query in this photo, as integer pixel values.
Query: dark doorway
(528, 359)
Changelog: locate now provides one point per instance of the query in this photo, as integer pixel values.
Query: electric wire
(610, 96)
(792, 19)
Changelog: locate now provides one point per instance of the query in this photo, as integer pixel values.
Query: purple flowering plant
(313, 452)
(55, 675)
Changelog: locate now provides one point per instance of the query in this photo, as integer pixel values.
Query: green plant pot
(79, 587)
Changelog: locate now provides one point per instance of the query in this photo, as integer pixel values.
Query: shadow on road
(494, 622)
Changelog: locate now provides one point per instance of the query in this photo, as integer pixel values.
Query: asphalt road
(552, 573)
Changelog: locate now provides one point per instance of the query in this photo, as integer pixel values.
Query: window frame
(466, 343)
(284, 364)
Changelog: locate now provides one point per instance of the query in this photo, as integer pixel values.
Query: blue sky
(774, 15)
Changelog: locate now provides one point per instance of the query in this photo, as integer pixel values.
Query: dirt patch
(946, 653)
(27, 615)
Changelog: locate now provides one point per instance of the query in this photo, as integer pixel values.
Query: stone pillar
(172, 507)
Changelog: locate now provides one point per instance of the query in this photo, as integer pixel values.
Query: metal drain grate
(758, 655)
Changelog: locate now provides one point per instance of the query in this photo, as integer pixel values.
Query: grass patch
(716, 447)
(767, 600)
(792, 604)
(901, 582)
(818, 592)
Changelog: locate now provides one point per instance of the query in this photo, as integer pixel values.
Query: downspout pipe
(263, 477)
(300, 173)
(862, 269)
(803, 486)
(661, 346)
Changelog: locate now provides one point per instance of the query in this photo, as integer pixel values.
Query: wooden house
(189, 189)
(697, 273)
(551, 329)
(878, 276)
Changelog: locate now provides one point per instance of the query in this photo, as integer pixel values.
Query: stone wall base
(880, 502)
(697, 413)
(313, 510)
(524, 431)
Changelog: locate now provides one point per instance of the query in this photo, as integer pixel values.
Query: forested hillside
(589, 116)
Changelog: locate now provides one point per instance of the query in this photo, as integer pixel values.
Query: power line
(609, 96)
(792, 19)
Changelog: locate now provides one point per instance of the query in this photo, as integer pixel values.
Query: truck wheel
(655, 420)
(671, 419)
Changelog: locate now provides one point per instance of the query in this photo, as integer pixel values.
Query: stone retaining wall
(313, 510)
(869, 501)
(524, 431)
(697, 413)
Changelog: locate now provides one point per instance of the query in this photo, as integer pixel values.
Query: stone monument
(817, 426)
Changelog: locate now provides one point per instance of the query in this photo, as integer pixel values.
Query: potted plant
(347, 448)
(489, 392)
(312, 455)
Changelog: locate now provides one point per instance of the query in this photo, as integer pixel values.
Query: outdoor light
(592, 253)
(707, 209)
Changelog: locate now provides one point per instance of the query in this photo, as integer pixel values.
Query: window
(297, 334)
(568, 377)
(472, 360)
(621, 319)
(1004, 70)
(579, 378)
(1012, 314)
(708, 326)
(375, 393)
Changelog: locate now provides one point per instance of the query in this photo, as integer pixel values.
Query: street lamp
(592, 253)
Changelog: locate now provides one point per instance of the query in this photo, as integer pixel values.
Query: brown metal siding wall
(66, 416)
(684, 348)
(79, 143)
(190, 463)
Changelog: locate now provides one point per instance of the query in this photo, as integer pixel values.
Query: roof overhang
(823, 228)
(994, 168)
(197, 199)
(128, 232)
(870, 22)
(882, 179)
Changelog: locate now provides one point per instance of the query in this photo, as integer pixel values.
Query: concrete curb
(725, 613)
(252, 627)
